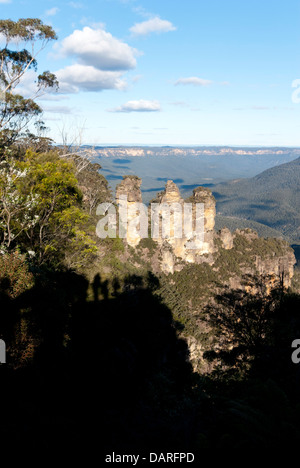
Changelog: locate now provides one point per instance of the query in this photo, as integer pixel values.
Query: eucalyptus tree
(21, 43)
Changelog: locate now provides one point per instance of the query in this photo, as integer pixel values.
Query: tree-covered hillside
(233, 223)
(271, 198)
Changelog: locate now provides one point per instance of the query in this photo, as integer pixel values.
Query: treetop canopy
(26, 29)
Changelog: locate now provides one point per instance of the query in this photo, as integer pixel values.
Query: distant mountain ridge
(272, 198)
(188, 166)
(142, 151)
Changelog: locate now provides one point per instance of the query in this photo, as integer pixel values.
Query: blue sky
(170, 72)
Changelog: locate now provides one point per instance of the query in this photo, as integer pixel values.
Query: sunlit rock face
(202, 195)
(128, 195)
(191, 233)
(167, 261)
(171, 194)
(226, 238)
(275, 267)
(165, 226)
(184, 229)
(130, 187)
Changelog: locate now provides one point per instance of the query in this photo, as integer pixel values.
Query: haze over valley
(188, 167)
(254, 187)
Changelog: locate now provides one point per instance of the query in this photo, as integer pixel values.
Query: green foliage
(296, 281)
(148, 243)
(242, 256)
(17, 206)
(16, 111)
(259, 246)
(187, 292)
(15, 277)
(40, 209)
(118, 245)
(196, 283)
(248, 327)
(27, 29)
(113, 244)
(237, 223)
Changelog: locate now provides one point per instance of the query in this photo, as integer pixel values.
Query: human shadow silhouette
(107, 373)
(111, 374)
(100, 288)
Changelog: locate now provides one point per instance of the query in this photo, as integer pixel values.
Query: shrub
(15, 276)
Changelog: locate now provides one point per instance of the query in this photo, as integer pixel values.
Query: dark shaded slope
(271, 198)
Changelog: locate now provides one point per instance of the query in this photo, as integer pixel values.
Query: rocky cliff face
(127, 151)
(184, 230)
(128, 195)
(226, 238)
(275, 267)
(196, 218)
(130, 188)
(203, 196)
(196, 242)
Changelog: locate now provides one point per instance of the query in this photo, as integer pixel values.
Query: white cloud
(28, 88)
(52, 97)
(98, 48)
(75, 78)
(138, 106)
(75, 5)
(5, 1)
(193, 80)
(86, 21)
(139, 10)
(57, 109)
(52, 11)
(180, 104)
(136, 78)
(101, 61)
(153, 25)
(27, 85)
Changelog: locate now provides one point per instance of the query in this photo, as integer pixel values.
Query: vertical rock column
(170, 197)
(129, 188)
(190, 245)
(205, 196)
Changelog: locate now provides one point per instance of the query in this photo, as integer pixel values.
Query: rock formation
(130, 187)
(193, 242)
(128, 195)
(226, 238)
(188, 240)
(275, 267)
(196, 218)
